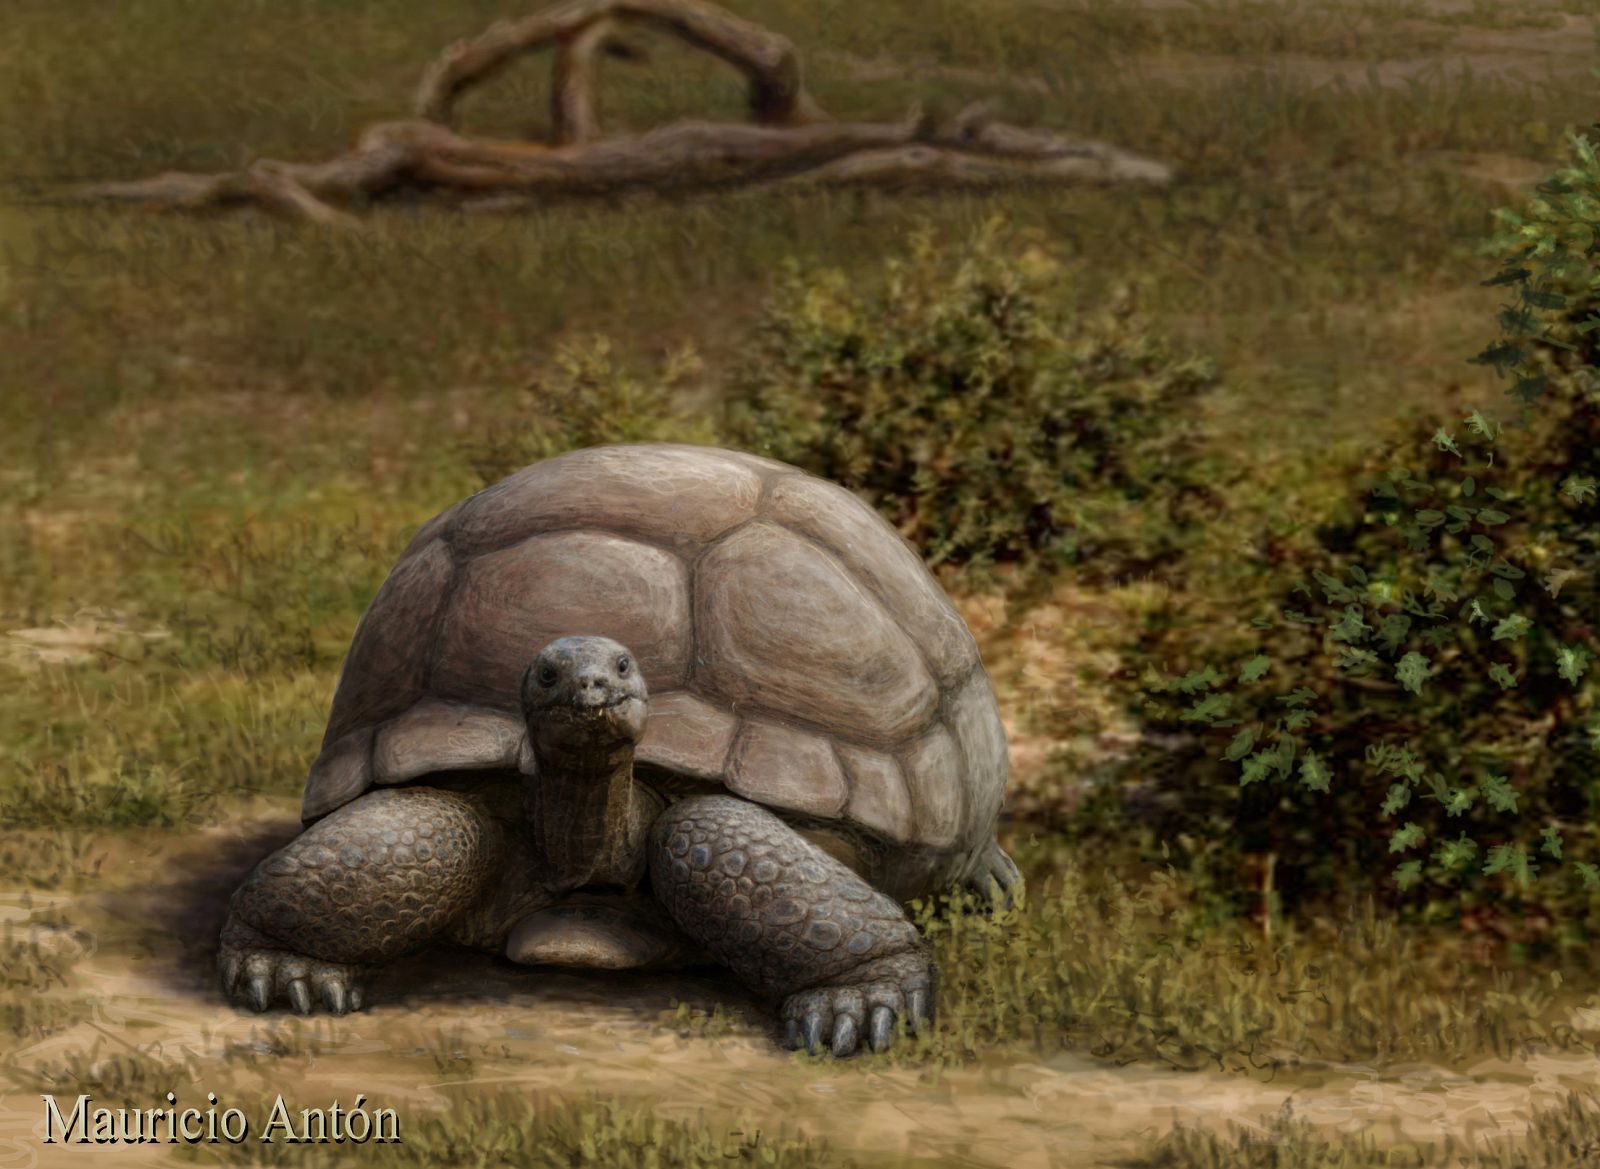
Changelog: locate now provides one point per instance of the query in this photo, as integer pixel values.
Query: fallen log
(790, 140)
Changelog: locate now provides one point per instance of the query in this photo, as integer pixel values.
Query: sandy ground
(447, 1024)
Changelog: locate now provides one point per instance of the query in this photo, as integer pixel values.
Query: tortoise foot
(866, 1007)
(997, 877)
(256, 972)
(790, 921)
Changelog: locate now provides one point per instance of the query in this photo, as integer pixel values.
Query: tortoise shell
(797, 650)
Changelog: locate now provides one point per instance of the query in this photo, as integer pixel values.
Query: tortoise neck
(577, 807)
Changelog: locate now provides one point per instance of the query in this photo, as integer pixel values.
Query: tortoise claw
(813, 1032)
(254, 969)
(260, 992)
(844, 1036)
(228, 973)
(917, 1010)
(333, 996)
(881, 1028)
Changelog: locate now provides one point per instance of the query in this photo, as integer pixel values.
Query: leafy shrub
(1424, 704)
(986, 420)
(1424, 708)
(589, 399)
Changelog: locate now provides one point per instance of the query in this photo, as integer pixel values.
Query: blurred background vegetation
(1122, 426)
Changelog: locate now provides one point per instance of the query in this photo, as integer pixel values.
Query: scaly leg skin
(380, 876)
(997, 876)
(791, 920)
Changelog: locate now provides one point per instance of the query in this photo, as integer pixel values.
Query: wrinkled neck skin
(577, 806)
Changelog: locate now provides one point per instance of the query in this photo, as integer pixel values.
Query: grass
(1559, 1136)
(1134, 971)
(38, 950)
(479, 1128)
(216, 434)
(505, 1128)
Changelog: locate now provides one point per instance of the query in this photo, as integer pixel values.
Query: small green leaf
(1409, 836)
(1350, 626)
(1314, 774)
(1355, 661)
(1256, 767)
(1511, 628)
(1392, 630)
(1452, 854)
(1577, 486)
(1513, 859)
(1255, 669)
(1590, 874)
(1501, 674)
(1412, 671)
(1445, 441)
(1334, 589)
(1399, 796)
(1208, 709)
(1550, 841)
(1468, 486)
(1198, 680)
(1299, 697)
(1571, 662)
(1504, 589)
(1240, 747)
(1501, 795)
(1490, 516)
(1407, 874)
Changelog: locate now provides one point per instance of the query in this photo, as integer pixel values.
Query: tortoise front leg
(790, 920)
(380, 876)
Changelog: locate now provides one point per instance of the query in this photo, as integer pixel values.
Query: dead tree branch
(778, 96)
(789, 140)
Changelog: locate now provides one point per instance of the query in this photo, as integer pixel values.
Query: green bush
(1423, 708)
(588, 399)
(986, 420)
(1423, 711)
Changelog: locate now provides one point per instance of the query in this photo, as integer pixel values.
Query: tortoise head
(584, 694)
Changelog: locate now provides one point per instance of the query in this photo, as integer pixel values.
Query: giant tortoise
(644, 705)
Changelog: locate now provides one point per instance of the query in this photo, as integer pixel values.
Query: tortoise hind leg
(996, 876)
(380, 876)
(791, 920)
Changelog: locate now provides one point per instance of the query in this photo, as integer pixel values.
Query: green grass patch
(1129, 971)
(1559, 1136)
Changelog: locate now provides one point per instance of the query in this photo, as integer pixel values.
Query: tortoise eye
(623, 666)
(547, 675)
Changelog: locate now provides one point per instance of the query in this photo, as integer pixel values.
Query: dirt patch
(446, 1025)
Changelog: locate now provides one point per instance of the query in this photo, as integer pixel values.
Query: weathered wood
(574, 117)
(777, 92)
(790, 141)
